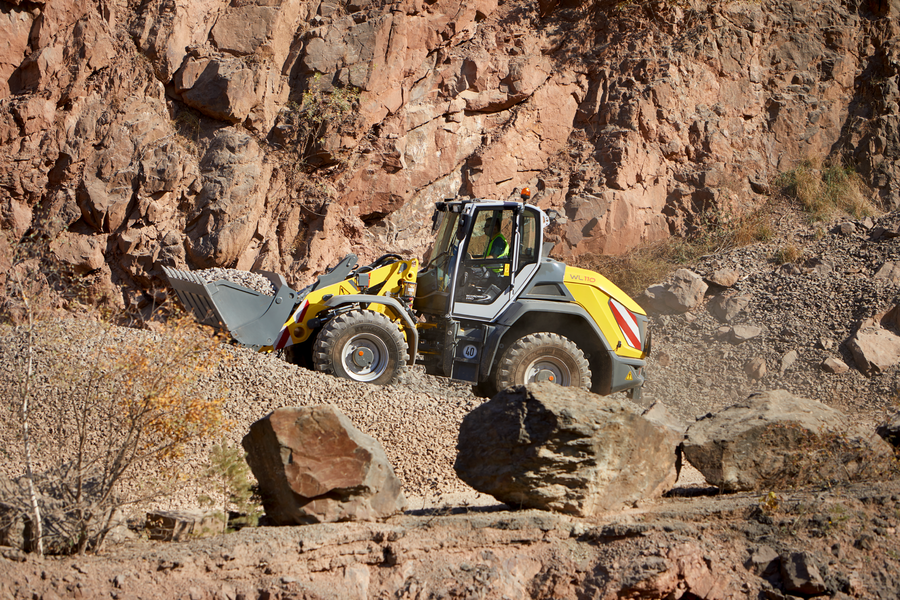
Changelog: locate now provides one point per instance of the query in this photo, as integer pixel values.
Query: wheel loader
(492, 319)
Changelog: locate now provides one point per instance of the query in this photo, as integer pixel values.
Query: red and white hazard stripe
(284, 336)
(627, 323)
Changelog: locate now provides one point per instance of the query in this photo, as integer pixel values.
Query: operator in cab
(497, 246)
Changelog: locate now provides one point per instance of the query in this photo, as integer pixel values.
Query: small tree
(232, 486)
(116, 402)
(137, 400)
(29, 287)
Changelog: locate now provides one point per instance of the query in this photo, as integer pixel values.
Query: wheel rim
(548, 369)
(365, 357)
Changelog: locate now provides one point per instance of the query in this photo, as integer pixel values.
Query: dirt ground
(695, 543)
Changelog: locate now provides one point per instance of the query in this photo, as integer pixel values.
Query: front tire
(543, 357)
(361, 345)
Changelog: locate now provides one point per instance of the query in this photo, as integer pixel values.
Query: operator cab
(484, 254)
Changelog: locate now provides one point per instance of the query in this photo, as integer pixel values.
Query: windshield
(445, 242)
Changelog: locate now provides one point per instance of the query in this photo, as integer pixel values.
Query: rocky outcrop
(314, 466)
(564, 449)
(774, 438)
(629, 123)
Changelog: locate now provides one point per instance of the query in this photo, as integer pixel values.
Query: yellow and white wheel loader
(490, 308)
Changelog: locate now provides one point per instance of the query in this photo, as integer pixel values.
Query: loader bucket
(251, 318)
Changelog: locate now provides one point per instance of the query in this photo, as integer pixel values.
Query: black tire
(543, 357)
(361, 345)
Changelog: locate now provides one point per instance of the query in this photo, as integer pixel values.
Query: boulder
(182, 525)
(875, 349)
(726, 308)
(314, 466)
(889, 271)
(723, 277)
(565, 449)
(834, 365)
(741, 333)
(801, 574)
(788, 360)
(756, 368)
(684, 293)
(774, 439)
(764, 561)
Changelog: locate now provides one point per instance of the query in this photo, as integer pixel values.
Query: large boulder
(314, 466)
(682, 294)
(774, 439)
(876, 345)
(875, 349)
(564, 449)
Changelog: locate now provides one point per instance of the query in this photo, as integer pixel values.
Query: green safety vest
(490, 247)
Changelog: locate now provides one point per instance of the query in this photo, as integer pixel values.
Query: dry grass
(788, 253)
(715, 232)
(825, 192)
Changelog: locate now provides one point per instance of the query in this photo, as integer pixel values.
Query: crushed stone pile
(416, 420)
(254, 281)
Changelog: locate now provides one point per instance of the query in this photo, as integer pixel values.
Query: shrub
(319, 115)
(105, 406)
(789, 253)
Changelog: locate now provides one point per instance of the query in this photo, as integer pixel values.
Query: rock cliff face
(281, 134)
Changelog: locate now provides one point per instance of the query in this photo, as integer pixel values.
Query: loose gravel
(416, 420)
(807, 311)
(811, 308)
(254, 281)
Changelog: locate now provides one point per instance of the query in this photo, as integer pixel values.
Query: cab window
(530, 232)
(485, 268)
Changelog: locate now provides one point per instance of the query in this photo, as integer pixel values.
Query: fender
(625, 372)
(520, 308)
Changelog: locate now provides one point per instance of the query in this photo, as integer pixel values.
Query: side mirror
(462, 226)
(552, 214)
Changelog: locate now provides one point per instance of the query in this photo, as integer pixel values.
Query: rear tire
(361, 345)
(543, 357)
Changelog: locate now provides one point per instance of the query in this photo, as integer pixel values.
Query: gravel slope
(810, 307)
(416, 420)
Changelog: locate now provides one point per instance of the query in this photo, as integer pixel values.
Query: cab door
(483, 282)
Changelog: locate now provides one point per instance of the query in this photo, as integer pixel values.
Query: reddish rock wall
(174, 132)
